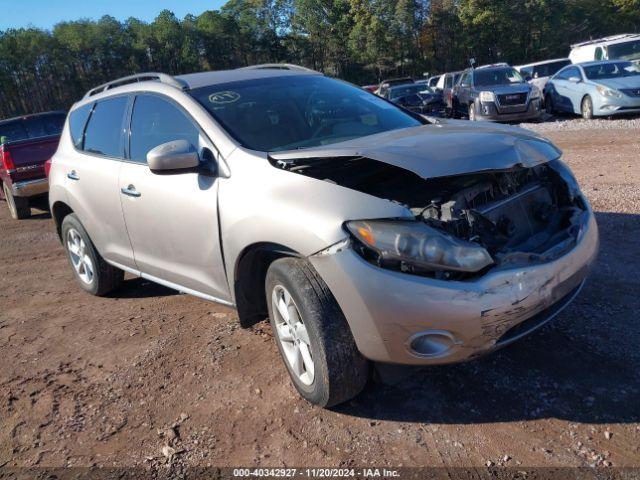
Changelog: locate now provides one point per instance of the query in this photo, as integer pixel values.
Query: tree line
(359, 40)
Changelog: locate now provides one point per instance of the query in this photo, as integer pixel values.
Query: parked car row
(349, 221)
(599, 78)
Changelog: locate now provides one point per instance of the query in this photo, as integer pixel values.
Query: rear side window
(77, 123)
(156, 121)
(103, 134)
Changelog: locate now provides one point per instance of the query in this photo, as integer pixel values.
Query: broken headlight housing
(418, 245)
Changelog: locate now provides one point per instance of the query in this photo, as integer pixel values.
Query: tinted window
(624, 51)
(300, 111)
(548, 69)
(13, 131)
(32, 127)
(156, 121)
(77, 122)
(104, 131)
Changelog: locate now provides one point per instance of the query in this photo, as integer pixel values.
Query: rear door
(92, 170)
(172, 217)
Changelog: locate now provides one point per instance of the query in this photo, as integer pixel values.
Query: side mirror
(175, 155)
(574, 79)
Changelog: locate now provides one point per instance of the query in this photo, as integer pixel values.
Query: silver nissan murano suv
(364, 231)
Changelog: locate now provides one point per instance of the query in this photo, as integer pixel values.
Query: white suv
(617, 47)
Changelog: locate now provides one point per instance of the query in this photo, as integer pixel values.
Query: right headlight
(487, 97)
(417, 244)
(608, 92)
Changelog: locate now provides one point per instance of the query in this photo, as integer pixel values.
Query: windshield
(610, 70)
(283, 113)
(496, 76)
(31, 127)
(624, 51)
(409, 90)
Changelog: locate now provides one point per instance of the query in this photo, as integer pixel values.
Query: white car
(538, 73)
(618, 47)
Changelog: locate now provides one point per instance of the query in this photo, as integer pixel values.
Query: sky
(46, 13)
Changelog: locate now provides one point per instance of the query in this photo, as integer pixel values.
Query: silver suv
(365, 232)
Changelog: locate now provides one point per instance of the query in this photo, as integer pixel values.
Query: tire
(338, 371)
(548, 105)
(93, 274)
(18, 206)
(472, 112)
(586, 108)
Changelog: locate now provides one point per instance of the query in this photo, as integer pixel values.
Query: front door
(172, 218)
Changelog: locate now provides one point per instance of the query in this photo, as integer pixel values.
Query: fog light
(434, 343)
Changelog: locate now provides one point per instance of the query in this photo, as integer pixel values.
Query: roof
(32, 115)
(598, 62)
(204, 79)
(543, 62)
(609, 40)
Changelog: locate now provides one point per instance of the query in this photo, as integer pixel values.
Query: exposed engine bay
(521, 215)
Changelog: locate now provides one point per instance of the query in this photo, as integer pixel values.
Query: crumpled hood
(445, 148)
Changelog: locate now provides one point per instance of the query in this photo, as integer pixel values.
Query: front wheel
(18, 206)
(472, 112)
(548, 104)
(312, 334)
(587, 108)
(93, 274)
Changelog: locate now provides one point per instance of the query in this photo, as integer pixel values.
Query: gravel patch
(566, 123)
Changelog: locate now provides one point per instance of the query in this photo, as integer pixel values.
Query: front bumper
(30, 188)
(491, 112)
(386, 310)
(604, 106)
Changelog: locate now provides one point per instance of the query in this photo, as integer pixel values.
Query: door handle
(73, 175)
(130, 191)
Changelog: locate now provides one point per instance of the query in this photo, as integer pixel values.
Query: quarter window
(156, 121)
(77, 123)
(104, 131)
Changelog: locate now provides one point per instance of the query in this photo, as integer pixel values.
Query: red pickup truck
(26, 143)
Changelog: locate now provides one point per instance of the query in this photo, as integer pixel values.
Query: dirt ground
(112, 381)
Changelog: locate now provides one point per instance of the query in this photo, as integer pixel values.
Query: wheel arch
(249, 277)
(59, 210)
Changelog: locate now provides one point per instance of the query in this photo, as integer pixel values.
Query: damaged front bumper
(407, 319)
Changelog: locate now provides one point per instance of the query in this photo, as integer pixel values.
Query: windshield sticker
(221, 98)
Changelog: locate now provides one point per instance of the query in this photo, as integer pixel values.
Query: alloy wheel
(292, 335)
(80, 259)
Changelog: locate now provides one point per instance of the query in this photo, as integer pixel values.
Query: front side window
(301, 111)
(104, 132)
(496, 76)
(156, 121)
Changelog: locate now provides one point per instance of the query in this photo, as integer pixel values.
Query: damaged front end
(464, 225)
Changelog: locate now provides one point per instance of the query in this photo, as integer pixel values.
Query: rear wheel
(18, 206)
(587, 108)
(312, 334)
(93, 274)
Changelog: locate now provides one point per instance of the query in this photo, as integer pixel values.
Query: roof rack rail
(277, 66)
(138, 77)
(621, 36)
